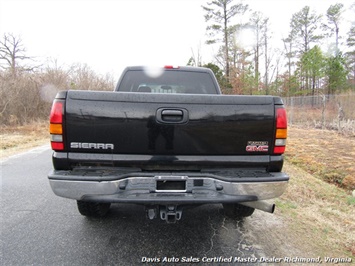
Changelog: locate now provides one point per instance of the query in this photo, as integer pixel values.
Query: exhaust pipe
(260, 205)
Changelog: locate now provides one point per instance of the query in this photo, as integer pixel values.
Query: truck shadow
(203, 231)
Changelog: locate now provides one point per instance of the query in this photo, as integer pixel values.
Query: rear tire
(237, 210)
(93, 209)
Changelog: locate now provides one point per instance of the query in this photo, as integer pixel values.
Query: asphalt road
(39, 228)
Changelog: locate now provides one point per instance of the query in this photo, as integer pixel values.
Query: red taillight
(281, 118)
(281, 131)
(56, 116)
(56, 125)
(279, 150)
(57, 146)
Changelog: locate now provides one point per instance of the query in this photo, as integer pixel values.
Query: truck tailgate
(168, 124)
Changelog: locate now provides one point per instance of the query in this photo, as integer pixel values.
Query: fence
(335, 112)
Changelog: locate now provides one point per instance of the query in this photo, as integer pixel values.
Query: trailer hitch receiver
(170, 213)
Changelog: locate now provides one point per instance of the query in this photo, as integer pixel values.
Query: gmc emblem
(255, 148)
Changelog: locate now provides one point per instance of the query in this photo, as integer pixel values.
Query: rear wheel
(237, 210)
(93, 209)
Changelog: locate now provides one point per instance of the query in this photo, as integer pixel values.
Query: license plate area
(171, 184)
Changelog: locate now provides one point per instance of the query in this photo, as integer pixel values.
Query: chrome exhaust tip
(260, 205)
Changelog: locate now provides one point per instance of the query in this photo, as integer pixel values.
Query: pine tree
(350, 41)
(219, 13)
(334, 13)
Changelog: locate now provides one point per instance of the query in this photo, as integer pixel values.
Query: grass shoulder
(16, 139)
(320, 210)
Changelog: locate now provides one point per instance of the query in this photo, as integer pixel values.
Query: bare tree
(258, 23)
(26, 95)
(12, 52)
(195, 59)
(290, 53)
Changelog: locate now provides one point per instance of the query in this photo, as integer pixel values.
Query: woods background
(314, 71)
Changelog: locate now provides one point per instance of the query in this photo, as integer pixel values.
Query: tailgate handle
(173, 113)
(172, 116)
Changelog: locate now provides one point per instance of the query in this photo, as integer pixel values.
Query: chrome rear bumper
(157, 188)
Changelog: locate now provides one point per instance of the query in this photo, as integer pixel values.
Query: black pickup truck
(167, 138)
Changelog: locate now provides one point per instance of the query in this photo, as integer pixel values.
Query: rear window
(168, 82)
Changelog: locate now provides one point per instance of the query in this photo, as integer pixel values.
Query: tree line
(28, 89)
(301, 67)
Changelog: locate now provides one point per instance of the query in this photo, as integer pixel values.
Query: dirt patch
(324, 154)
(15, 139)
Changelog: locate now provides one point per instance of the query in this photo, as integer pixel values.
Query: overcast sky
(111, 34)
